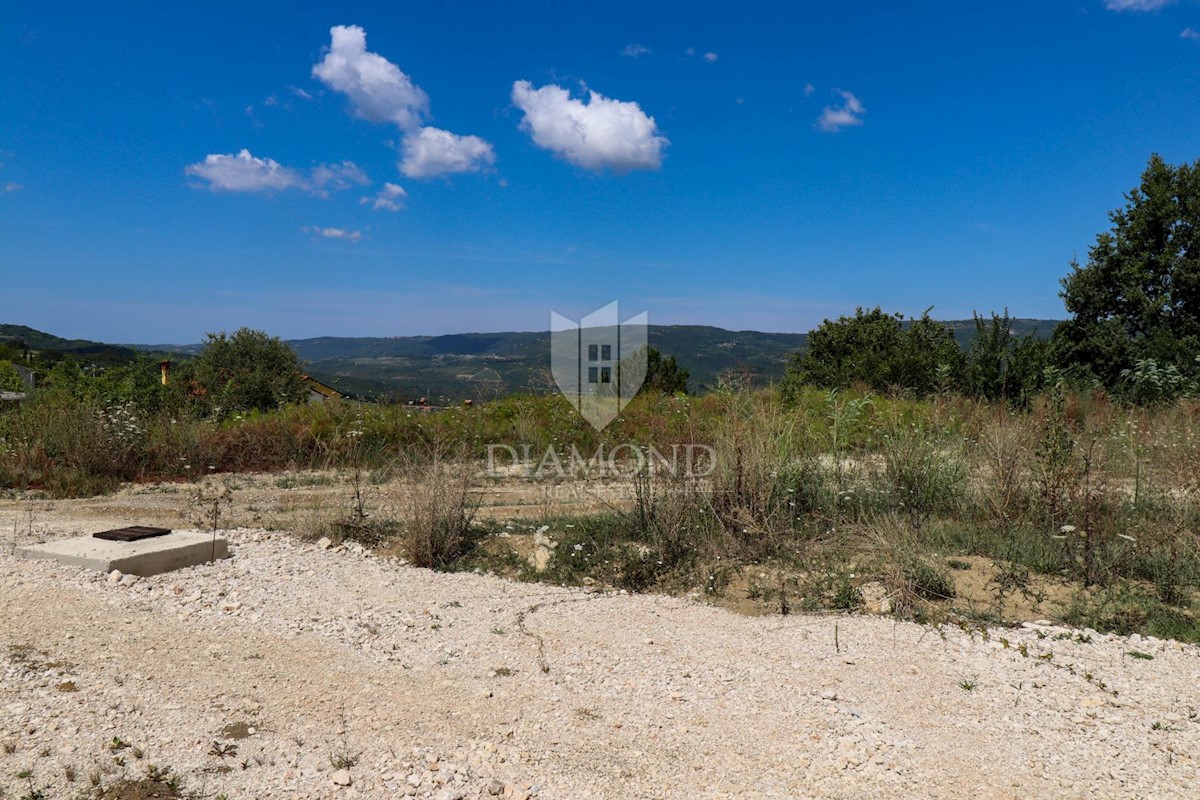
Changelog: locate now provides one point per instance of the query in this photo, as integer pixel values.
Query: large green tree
(880, 350)
(1137, 299)
(248, 370)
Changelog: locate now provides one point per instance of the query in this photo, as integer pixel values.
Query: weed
(438, 507)
(222, 750)
(968, 684)
(343, 760)
(1140, 655)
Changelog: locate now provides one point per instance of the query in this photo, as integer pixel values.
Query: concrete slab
(175, 550)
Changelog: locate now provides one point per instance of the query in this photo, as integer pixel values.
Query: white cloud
(336, 176)
(389, 198)
(380, 92)
(1136, 5)
(433, 151)
(636, 50)
(809, 89)
(377, 88)
(710, 57)
(11, 187)
(248, 173)
(848, 114)
(1190, 33)
(335, 233)
(603, 133)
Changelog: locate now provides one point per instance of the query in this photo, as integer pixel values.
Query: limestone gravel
(298, 669)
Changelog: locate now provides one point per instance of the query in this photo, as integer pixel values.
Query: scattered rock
(875, 598)
(341, 777)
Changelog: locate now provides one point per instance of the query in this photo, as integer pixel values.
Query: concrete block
(175, 550)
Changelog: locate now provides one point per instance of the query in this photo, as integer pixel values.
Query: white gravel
(434, 686)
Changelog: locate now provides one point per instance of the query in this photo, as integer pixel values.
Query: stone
(341, 777)
(146, 557)
(495, 787)
(324, 543)
(875, 598)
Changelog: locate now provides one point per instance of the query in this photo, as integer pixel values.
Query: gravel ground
(422, 684)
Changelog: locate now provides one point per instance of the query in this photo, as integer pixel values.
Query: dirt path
(433, 684)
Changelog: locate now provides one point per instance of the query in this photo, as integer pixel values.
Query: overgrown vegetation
(886, 458)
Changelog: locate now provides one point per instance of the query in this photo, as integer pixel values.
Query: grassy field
(941, 508)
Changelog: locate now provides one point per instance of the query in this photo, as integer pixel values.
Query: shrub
(437, 507)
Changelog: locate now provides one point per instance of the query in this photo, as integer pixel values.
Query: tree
(663, 374)
(1001, 365)
(1138, 297)
(877, 349)
(248, 371)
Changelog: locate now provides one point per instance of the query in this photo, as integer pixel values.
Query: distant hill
(964, 329)
(459, 366)
(483, 365)
(34, 339)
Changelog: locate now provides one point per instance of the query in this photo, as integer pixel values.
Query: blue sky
(437, 167)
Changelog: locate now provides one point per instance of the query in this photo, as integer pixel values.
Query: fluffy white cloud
(1136, 5)
(380, 92)
(636, 50)
(10, 187)
(335, 233)
(248, 173)
(848, 114)
(433, 151)
(600, 134)
(389, 198)
(1190, 33)
(710, 57)
(377, 88)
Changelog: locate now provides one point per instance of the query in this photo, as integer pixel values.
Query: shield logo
(598, 363)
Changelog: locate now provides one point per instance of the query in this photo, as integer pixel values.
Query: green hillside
(480, 366)
(32, 339)
(452, 368)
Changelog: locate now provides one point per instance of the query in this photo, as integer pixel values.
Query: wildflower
(1067, 529)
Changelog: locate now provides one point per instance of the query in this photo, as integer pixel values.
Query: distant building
(319, 392)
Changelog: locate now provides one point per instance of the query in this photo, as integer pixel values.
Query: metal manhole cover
(133, 533)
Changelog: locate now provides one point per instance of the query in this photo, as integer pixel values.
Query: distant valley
(480, 366)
